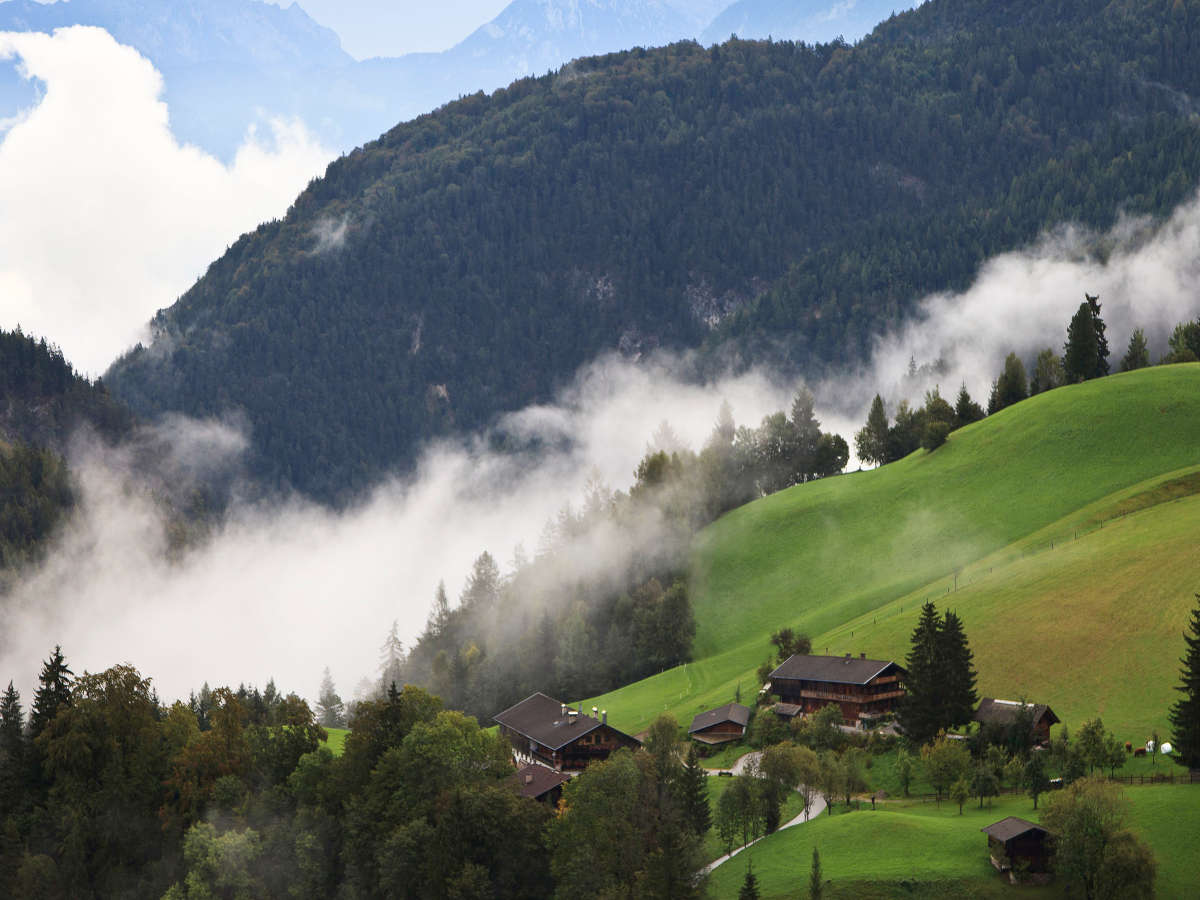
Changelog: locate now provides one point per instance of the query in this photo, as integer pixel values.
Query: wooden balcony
(840, 697)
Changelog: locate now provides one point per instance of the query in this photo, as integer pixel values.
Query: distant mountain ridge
(226, 63)
(802, 20)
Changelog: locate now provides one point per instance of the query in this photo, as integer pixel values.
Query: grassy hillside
(848, 560)
(930, 851)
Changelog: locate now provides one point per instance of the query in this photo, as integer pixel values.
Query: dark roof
(540, 719)
(1007, 829)
(730, 712)
(533, 780)
(1004, 712)
(787, 710)
(834, 669)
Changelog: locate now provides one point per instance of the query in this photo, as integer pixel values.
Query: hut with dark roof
(1017, 844)
(1003, 714)
(864, 689)
(544, 730)
(721, 725)
(537, 782)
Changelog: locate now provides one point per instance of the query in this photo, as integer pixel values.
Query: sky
(394, 27)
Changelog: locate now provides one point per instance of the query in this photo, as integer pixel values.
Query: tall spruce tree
(957, 681)
(1101, 341)
(749, 890)
(1185, 712)
(54, 692)
(815, 884)
(1137, 355)
(693, 794)
(871, 440)
(920, 711)
(13, 765)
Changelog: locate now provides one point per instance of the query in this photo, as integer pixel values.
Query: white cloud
(106, 217)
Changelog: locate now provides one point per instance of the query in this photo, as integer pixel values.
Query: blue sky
(392, 27)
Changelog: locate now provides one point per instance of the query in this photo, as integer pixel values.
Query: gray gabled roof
(533, 780)
(1007, 829)
(730, 712)
(1004, 712)
(832, 669)
(540, 719)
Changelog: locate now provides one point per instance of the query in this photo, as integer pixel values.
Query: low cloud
(106, 217)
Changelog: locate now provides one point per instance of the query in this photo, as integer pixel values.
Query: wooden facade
(864, 689)
(721, 725)
(542, 730)
(1003, 714)
(1017, 844)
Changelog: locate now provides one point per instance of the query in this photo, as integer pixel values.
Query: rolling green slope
(930, 851)
(849, 559)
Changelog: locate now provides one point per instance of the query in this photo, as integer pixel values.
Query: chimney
(571, 716)
(594, 711)
(563, 710)
(604, 717)
(529, 779)
(848, 655)
(862, 656)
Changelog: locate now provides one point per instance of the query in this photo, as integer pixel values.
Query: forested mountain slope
(783, 202)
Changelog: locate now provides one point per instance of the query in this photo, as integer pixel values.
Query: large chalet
(543, 730)
(864, 689)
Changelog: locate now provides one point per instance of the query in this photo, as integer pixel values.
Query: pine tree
(53, 693)
(391, 657)
(1137, 356)
(13, 765)
(1098, 326)
(331, 711)
(1081, 353)
(920, 711)
(815, 886)
(693, 793)
(966, 410)
(749, 889)
(1185, 712)
(871, 440)
(957, 681)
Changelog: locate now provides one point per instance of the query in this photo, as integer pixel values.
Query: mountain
(227, 63)
(769, 201)
(807, 20)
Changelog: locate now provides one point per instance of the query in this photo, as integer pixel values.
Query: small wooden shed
(1017, 844)
(538, 782)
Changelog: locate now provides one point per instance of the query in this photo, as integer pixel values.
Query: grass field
(336, 740)
(1091, 626)
(717, 785)
(920, 849)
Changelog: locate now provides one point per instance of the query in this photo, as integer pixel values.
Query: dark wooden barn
(537, 782)
(864, 689)
(721, 725)
(1017, 844)
(543, 730)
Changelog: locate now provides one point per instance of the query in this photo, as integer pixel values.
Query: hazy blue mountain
(802, 20)
(227, 62)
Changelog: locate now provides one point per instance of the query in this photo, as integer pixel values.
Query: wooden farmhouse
(543, 730)
(540, 783)
(721, 725)
(1003, 713)
(865, 689)
(1017, 844)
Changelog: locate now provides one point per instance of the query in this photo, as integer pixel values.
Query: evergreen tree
(1081, 353)
(749, 889)
(815, 885)
(693, 792)
(1047, 372)
(331, 711)
(1185, 712)
(391, 658)
(920, 711)
(871, 441)
(13, 762)
(54, 692)
(1101, 341)
(957, 680)
(1137, 356)
(807, 434)
(1011, 387)
(966, 410)
(482, 589)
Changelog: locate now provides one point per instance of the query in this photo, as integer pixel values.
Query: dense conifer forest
(768, 201)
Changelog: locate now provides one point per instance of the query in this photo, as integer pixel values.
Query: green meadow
(1066, 519)
(920, 849)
